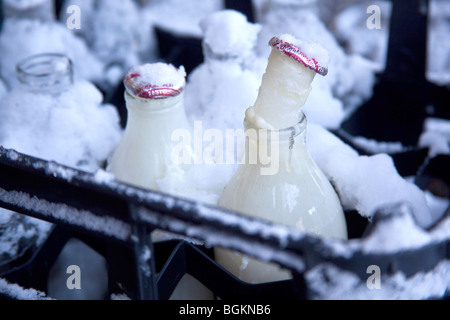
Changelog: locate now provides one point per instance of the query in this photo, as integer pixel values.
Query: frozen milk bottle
(154, 98)
(279, 181)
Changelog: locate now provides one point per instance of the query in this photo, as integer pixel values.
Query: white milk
(155, 102)
(285, 185)
(144, 154)
(155, 109)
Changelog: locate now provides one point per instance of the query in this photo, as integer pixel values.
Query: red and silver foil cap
(295, 52)
(155, 81)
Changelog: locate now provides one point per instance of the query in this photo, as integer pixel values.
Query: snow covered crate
(116, 220)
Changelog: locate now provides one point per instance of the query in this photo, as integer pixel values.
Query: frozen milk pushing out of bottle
(279, 181)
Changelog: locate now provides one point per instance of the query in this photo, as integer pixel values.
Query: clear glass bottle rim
(45, 64)
(47, 72)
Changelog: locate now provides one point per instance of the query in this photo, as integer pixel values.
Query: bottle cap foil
(155, 81)
(295, 52)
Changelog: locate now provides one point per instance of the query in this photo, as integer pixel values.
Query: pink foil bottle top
(294, 51)
(155, 81)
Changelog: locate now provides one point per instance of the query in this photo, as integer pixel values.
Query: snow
(115, 34)
(119, 297)
(238, 36)
(188, 13)
(103, 176)
(329, 282)
(15, 291)
(349, 27)
(268, 231)
(311, 49)
(230, 68)
(438, 61)
(24, 4)
(19, 233)
(373, 146)
(436, 136)
(105, 225)
(12, 233)
(438, 205)
(442, 231)
(233, 67)
(351, 30)
(395, 231)
(213, 237)
(362, 182)
(23, 38)
(155, 75)
(74, 128)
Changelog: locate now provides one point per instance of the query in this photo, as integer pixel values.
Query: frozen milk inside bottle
(154, 99)
(279, 181)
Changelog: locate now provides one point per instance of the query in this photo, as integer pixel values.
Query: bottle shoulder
(303, 201)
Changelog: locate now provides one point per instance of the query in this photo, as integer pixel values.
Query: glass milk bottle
(279, 180)
(154, 98)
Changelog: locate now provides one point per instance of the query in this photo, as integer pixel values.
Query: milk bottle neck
(142, 113)
(265, 147)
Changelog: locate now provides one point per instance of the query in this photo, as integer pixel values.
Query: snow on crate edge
(398, 232)
(255, 249)
(277, 231)
(364, 183)
(53, 168)
(17, 292)
(329, 282)
(106, 225)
